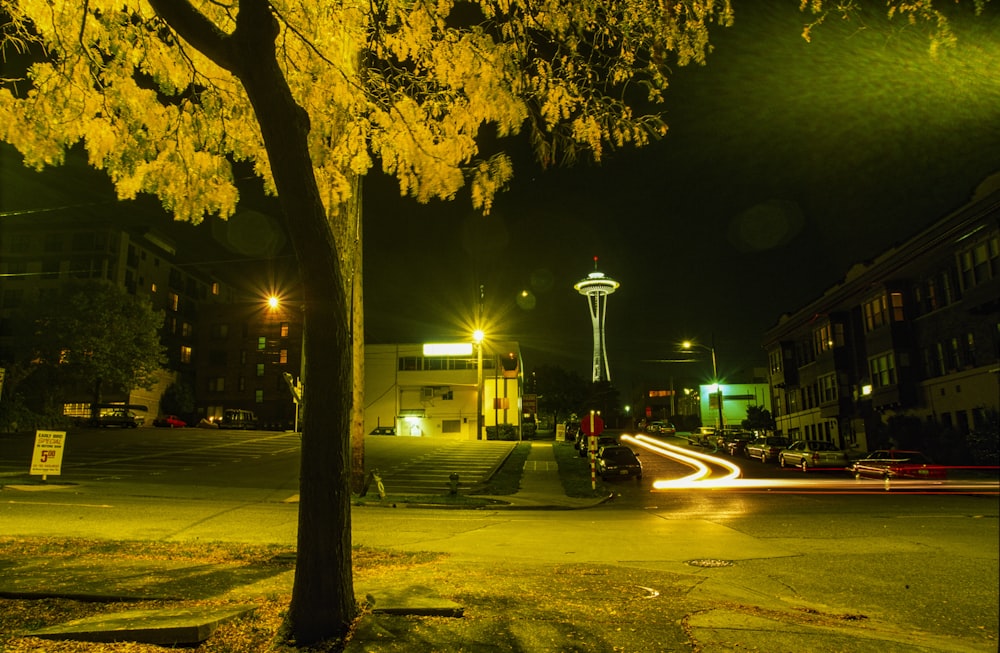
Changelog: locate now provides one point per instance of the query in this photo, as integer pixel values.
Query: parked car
(766, 448)
(661, 426)
(383, 430)
(704, 436)
(169, 421)
(812, 453)
(234, 418)
(602, 441)
(121, 418)
(617, 461)
(895, 463)
(735, 443)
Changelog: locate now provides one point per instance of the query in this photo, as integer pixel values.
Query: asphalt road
(924, 565)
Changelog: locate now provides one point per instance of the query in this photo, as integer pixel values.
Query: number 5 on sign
(47, 458)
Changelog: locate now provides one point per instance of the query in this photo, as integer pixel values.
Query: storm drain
(709, 562)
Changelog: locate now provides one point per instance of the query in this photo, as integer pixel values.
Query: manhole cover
(709, 562)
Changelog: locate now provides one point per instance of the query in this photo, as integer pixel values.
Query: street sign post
(592, 425)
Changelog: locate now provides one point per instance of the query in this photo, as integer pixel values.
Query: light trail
(694, 459)
(701, 478)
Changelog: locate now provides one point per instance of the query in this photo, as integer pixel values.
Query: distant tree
(604, 398)
(97, 335)
(759, 419)
(561, 393)
(178, 399)
(166, 94)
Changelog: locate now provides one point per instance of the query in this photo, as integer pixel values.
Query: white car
(812, 453)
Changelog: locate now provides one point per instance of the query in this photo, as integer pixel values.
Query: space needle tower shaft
(596, 288)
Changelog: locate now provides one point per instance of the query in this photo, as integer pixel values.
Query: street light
(688, 345)
(477, 337)
(295, 386)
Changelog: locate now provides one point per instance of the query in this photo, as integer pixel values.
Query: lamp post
(688, 345)
(477, 337)
(295, 386)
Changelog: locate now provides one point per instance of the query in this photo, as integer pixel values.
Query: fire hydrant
(454, 482)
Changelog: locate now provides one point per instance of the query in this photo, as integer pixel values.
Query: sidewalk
(541, 488)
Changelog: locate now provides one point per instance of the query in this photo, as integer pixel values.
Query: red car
(170, 421)
(894, 463)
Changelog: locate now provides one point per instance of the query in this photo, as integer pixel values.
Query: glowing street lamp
(477, 337)
(716, 387)
(296, 387)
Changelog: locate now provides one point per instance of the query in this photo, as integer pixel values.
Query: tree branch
(197, 30)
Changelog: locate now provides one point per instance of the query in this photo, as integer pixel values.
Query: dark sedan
(894, 463)
(617, 461)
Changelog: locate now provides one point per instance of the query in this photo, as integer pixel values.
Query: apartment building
(905, 348)
(41, 253)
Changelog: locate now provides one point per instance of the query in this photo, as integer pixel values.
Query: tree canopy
(96, 335)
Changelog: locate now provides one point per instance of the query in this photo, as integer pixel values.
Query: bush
(15, 417)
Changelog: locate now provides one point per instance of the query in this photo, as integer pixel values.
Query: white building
(433, 390)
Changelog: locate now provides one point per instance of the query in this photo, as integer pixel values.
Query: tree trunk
(323, 604)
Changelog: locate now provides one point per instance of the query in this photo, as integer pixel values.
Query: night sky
(786, 162)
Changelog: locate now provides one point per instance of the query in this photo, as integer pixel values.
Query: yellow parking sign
(47, 458)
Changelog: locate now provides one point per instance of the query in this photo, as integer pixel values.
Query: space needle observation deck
(596, 287)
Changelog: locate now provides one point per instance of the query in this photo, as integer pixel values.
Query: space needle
(597, 286)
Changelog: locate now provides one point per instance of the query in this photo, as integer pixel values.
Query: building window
(828, 388)
(215, 286)
(451, 426)
(875, 313)
(217, 384)
(283, 356)
(883, 370)
(774, 360)
(241, 383)
(980, 262)
(220, 330)
(185, 354)
(174, 301)
(187, 329)
(896, 301)
(261, 343)
(284, 329)
(260, 369)
(258, 396)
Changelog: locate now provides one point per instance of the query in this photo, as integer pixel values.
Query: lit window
(283, 356)
(876, 313)
(259, 396)
(883, 370)
(261, 343)
(174, 301)
(897, 306)
(284, 329)
(185, 354)
(260, 369)
(215, 288)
